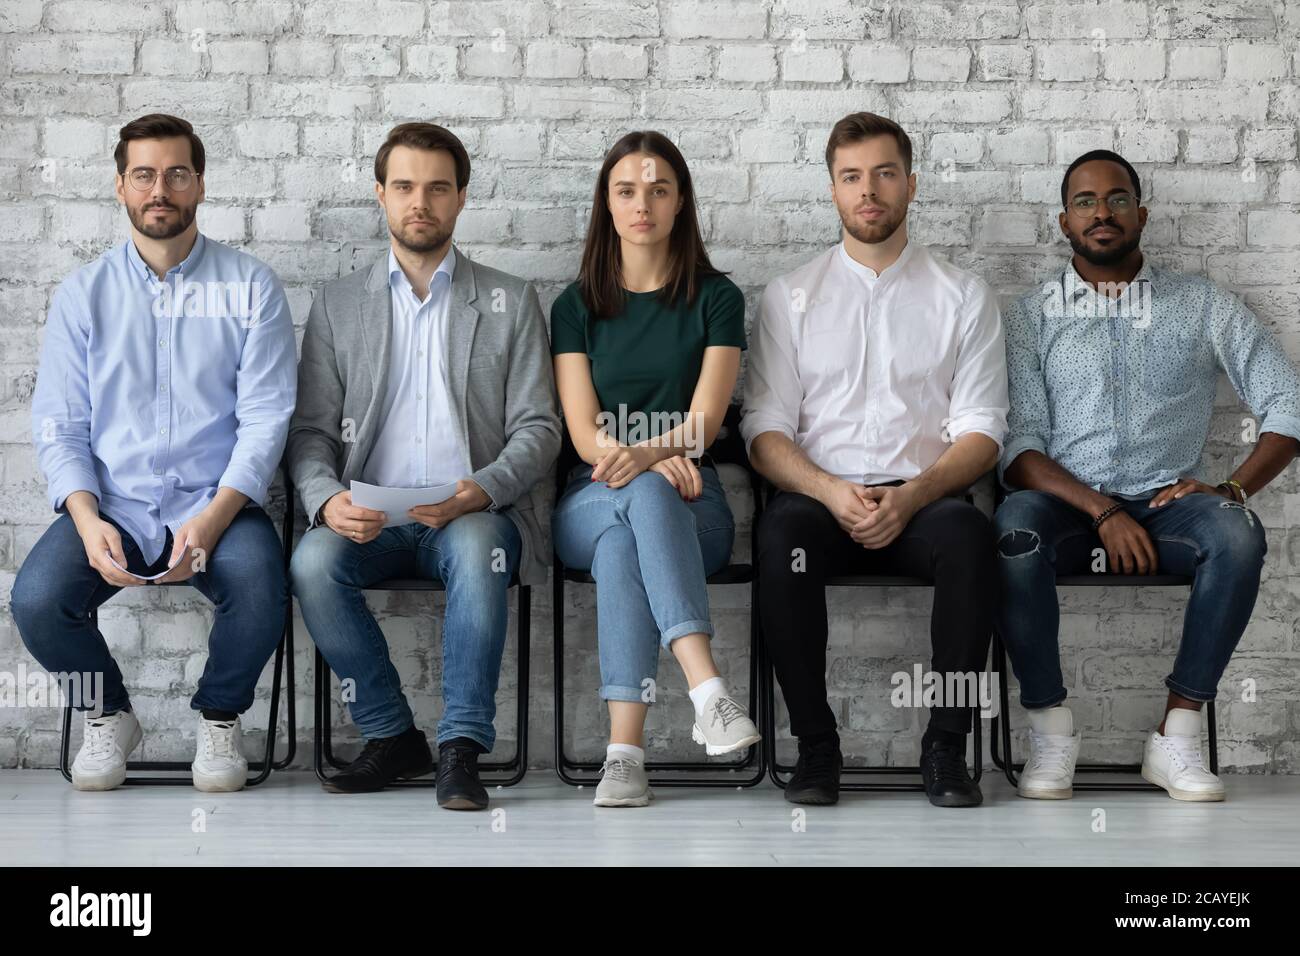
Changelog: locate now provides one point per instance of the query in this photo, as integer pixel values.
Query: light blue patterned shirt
(1120, 392)
(151, 394)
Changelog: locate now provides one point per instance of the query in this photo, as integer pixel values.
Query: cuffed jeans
(57, 589)
(1219, 543)
(947, 542)
(650, 552)
(475, 556)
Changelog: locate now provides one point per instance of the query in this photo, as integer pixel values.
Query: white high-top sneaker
(1173, 759)
(107, 742)
(1053, 749)
(219, 765)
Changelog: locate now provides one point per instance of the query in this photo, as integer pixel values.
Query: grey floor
(290, 820)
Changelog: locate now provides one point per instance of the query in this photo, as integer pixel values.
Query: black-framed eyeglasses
(1085, 207)
(177, 178)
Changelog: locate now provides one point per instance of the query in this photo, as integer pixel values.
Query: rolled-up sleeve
(772, 389)
(266, 387)
(61, 402)
(979, 385)
(1028, 418)
(1256, 365)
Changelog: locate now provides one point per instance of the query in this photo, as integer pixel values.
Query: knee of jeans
(1238, 536)
(652, 488)
(1019, 543)
(314, 560)
(29, 601)
(479, 544)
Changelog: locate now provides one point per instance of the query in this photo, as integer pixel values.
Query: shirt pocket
(1171, 363)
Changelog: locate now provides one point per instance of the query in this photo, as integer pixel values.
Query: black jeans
(949, 542)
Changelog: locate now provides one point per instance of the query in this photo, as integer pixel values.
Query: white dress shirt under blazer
(416, 446)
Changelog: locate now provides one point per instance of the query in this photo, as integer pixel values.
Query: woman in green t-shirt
(647, 349)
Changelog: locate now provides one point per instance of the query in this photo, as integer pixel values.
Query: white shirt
(875, 375)
(417, 446)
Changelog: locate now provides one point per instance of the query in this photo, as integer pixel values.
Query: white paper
(148, 577)
(395, 502)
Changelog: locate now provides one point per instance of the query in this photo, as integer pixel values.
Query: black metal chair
(869, 786)
(727, 449)
(516, 767)
(283, 663)
(1003, 721)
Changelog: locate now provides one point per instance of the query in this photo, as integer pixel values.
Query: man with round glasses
(167, 379)
(1113, 367)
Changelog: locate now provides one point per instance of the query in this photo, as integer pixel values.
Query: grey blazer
(502, 392)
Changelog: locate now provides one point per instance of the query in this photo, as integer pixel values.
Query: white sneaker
(623, 783)
(1173, 759)
(107, 742)
(219, 765)
(724, 727)
(1053, 750)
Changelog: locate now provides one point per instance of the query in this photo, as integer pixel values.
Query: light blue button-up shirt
(417, 444)
(1120, 392)
(151, 394)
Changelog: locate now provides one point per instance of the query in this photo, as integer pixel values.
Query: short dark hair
(856, 127)
(1109, 157)
(159, 126)
(428, 136)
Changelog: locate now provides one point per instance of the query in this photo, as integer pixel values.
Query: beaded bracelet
(1096, 522)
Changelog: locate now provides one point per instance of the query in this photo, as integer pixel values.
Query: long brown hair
(602, 255)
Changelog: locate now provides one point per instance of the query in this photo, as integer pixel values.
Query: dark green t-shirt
(647, 358)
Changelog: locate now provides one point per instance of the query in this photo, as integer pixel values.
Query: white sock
(636, 753)
(702, 691)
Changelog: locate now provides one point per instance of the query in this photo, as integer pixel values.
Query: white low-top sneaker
(105, 745)
(219, 765)
(623, 783)
(1053, 750)
(724, 726)
(1173, 759)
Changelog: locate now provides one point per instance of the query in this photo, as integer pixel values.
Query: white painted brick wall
(292, 97)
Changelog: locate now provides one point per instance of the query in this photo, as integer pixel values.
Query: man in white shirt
(876, 393)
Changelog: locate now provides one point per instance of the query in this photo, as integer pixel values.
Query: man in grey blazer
(423, 369)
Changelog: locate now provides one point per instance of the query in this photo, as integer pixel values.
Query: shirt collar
(870, 276)
(397, 278)
(185, 266)
(1075, 287)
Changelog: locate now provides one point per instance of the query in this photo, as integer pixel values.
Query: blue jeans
(1219, 543)
(475, 556)
(57, 589)
(649, 551)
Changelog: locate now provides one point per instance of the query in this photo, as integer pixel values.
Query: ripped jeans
(1219, 543)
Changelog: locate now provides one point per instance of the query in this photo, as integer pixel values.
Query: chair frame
(322, 744)
(283, 664)
(1003, 722)
(728, 449)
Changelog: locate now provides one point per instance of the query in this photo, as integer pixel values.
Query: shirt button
(420, 354)
(162, 431)
(418, 440)
(162, 343)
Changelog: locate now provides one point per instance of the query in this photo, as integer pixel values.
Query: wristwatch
(1235, 489)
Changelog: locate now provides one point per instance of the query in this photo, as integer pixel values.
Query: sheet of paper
(395, 502)
(147, 577)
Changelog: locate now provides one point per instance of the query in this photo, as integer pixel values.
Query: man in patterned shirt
(1112, 369)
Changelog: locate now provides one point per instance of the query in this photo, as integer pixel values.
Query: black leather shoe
(943, 768)
(458, 784)
(383, 760)
(816, 777)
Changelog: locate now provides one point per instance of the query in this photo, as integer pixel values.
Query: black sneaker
(943, 768)
(816, 777)
(458, 784)
(383, 760)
